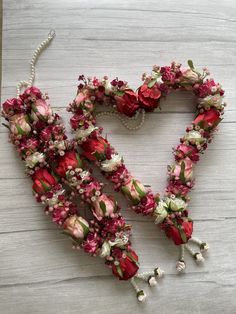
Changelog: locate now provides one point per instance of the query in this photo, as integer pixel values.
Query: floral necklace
(169, 211)
(53, 163)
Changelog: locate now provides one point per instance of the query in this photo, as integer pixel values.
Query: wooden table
(39, 273)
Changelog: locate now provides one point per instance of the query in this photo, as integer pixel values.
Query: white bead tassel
(204, 247)
(36, 54)
(196, 255)
(125, 120)
(150, 276)
(141, 295)
(180, 265)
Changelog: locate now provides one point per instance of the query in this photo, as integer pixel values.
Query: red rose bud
(31, 93)
(95, 148)
(127, 103)
(149, 97)
(125, 265)
(70, 160)
(12, 106)
(180, 234)
(43, 181)
(208, 119)
(76, 226)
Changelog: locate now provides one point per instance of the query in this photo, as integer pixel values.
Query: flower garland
(170, 211)
(52, 161)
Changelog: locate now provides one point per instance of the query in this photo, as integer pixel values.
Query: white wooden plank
(39, 273)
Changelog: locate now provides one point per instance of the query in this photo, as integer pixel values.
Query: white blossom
(112, 164)
(34, 159)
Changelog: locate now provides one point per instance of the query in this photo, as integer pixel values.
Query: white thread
(125, 120)
(33, 61)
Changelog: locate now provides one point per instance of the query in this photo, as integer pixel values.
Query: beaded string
(124, 119)
(33, 61)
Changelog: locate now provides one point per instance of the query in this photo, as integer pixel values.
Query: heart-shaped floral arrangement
(169, 211)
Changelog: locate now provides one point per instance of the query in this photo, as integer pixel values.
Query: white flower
(34, 159)
(120, 240)
(194, 137)
(160, 212)
(84, 175)
(176, 204)
(112, 164)
(211, 101)
(106, 249)
(60, 145)
(54, 200)
(83, 133)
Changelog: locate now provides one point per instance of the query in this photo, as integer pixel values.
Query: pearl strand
(125, 120)
(35, 56)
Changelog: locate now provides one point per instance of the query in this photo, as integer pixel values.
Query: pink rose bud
(134, 191)
(19, 124)
(183, 170)
(103, 206)
(76, 226)
(41, 110)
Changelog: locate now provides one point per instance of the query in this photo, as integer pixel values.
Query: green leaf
(45, 186)
(99, 157)
(137, 188)
(152, 83)
(7, 126)
(183, 235)
(119, 271)
(181, 176)
(132, 258)
(119, 93)
(19, 130)
(190, 64)
(103, 207)
(126, 191)
(80, 163)
(85, 228)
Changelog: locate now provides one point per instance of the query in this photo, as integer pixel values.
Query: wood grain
(39, 273)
